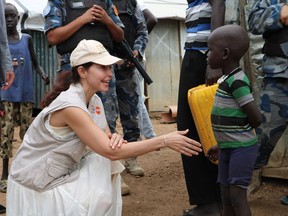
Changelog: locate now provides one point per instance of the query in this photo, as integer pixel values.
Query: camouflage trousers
(122, 99)
(15, 114)
(274, 108)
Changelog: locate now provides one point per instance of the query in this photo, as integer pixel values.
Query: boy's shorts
(236, 165)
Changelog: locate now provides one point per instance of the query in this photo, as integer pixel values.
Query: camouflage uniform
(16, 114)
(264, 17)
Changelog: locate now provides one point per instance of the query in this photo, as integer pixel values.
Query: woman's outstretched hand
(181, 143)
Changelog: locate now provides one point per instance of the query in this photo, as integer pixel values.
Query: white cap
(92, 51)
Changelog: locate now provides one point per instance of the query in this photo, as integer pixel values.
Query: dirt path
(162, 191)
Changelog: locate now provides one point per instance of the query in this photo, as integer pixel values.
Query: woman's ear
(81, 71)
(226, 53)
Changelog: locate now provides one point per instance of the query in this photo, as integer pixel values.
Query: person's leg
(145, 125)
(239, 201)
(241, 165)
(7, 133)
(128, 108)
(226, 201)
(25, 114)
(200, 173)
(274, 108)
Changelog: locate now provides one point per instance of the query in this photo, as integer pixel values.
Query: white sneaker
(133, 167)
(255, 182)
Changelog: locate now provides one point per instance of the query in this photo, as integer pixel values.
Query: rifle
(124, 46)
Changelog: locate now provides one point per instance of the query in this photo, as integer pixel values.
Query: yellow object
(201, 99)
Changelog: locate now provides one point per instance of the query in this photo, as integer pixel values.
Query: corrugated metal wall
(47, 58)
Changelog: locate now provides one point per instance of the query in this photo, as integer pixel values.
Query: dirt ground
(162, 191)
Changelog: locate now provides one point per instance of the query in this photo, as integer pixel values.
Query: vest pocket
(56, 169)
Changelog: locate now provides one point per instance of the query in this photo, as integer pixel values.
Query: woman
(53, 173)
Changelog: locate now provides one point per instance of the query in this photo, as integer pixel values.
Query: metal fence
(48, 60)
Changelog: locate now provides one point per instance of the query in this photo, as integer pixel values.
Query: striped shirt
(198, 24)
(229, 122)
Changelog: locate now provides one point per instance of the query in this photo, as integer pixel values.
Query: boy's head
(11, 16)
(227, 44)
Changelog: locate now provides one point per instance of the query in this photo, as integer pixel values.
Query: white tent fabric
(162, 9)
(167, 9)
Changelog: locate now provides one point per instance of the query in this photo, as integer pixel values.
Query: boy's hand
(46, 79)
(212, 153)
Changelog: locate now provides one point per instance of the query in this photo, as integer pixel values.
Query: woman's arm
(98, 140)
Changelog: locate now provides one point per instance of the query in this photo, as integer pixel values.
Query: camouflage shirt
(265, 16)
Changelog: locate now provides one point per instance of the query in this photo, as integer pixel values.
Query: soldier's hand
(89, 15)
(100, 15)
(284, 15)
(136, 54)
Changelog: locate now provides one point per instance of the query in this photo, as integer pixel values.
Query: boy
(234, 117)
(19, 98)
(202, 18)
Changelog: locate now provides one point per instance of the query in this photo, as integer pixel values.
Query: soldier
(269, 18)
(136, 34)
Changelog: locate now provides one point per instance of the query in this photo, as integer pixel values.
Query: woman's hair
(63, 80)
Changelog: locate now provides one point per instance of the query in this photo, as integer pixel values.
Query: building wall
(164, 55)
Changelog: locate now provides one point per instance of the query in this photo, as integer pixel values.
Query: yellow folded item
(201, 99)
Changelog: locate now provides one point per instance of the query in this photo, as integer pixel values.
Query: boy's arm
(253, 113)
(35, 62)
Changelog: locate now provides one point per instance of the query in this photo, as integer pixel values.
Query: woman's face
(98, 77)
